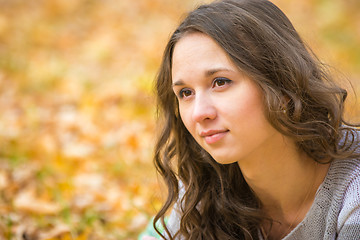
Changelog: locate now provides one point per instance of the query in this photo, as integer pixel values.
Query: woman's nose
(203, 109)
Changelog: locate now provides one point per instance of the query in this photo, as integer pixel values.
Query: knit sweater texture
(335, 212)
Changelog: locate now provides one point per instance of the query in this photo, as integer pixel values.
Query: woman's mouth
(213, 136)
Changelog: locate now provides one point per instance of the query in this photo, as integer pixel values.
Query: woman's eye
(185, 93)
(219, 82)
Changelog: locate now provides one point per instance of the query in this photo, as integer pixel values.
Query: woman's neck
(286, 182)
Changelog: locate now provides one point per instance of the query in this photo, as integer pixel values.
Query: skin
(223, 110)
(216, 97)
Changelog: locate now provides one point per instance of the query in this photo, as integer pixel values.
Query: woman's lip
(212, 136)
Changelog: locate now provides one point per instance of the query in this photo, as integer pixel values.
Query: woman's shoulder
(342, 177)
(348, 221)
(336, 205)
(342, 173)
(173, 224)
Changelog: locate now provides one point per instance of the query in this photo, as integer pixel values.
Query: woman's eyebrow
(178, 83)
(211, 72)
(208, 73)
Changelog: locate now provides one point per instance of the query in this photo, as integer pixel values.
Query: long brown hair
(262, 42)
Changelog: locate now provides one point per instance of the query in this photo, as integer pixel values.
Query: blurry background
(77, 114)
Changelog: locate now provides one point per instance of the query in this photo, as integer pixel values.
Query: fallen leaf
(27, 201)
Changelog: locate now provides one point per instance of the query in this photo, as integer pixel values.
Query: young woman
(254, 144)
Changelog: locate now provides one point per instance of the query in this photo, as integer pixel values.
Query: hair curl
(263, 43)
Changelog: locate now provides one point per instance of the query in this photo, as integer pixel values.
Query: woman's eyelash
(221, 81)
(184, 91)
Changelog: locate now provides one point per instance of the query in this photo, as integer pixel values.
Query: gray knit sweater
(335, 213)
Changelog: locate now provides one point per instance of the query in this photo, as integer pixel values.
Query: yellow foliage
(77, 111)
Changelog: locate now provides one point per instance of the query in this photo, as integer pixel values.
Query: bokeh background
(77, 113)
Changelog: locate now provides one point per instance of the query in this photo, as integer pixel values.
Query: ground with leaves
(77, 121)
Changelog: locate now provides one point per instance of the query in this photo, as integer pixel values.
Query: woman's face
(219, 105)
